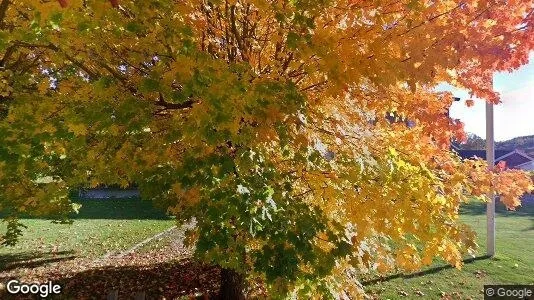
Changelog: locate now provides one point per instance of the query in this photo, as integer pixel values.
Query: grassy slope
(514, 262)
(101, 226)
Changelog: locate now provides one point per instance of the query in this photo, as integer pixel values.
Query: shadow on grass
(479, 208)
(421, 273)
(128, 208)
(169, 280)
(525, 211)
(32, 259)
(112, 208)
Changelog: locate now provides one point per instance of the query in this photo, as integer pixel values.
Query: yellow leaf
(77, 129)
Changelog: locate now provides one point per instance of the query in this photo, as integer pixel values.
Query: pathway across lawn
(102, 226)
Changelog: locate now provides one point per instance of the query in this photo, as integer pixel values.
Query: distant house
(108, 192)
(515, 159)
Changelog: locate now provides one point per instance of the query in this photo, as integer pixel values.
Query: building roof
(516, 158)
(466, 154)
(513, 158)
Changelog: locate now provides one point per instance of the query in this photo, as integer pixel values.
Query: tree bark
(232, 285)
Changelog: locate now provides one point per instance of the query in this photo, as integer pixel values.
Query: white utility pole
(490, 157)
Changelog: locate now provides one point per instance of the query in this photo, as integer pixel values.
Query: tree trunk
(232, 285)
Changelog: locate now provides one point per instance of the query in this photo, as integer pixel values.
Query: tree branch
(431, 19)
(314, 85)
(238, 38)
(7, 55)
(53, 47)
(113, 72)
(168, 105)
(3, 10)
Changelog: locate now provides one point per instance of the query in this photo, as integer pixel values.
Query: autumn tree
(264, 121)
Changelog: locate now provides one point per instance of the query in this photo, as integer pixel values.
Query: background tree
(524, 143)
(259, 119)
(473, 142)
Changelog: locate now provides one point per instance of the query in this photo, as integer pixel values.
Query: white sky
(513, 117)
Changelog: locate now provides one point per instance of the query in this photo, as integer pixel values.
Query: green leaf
(292, 40)
(149, 85)
(134, 27)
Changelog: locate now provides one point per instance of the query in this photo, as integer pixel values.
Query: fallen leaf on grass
(480, 274)
(419, 293)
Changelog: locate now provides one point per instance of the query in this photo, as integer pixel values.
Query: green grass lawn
(514, 262)
(102, 226)
(114, 225)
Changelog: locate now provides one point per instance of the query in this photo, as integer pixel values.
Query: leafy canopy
(304, 136)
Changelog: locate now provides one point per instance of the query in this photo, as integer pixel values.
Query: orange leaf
(469, 103)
